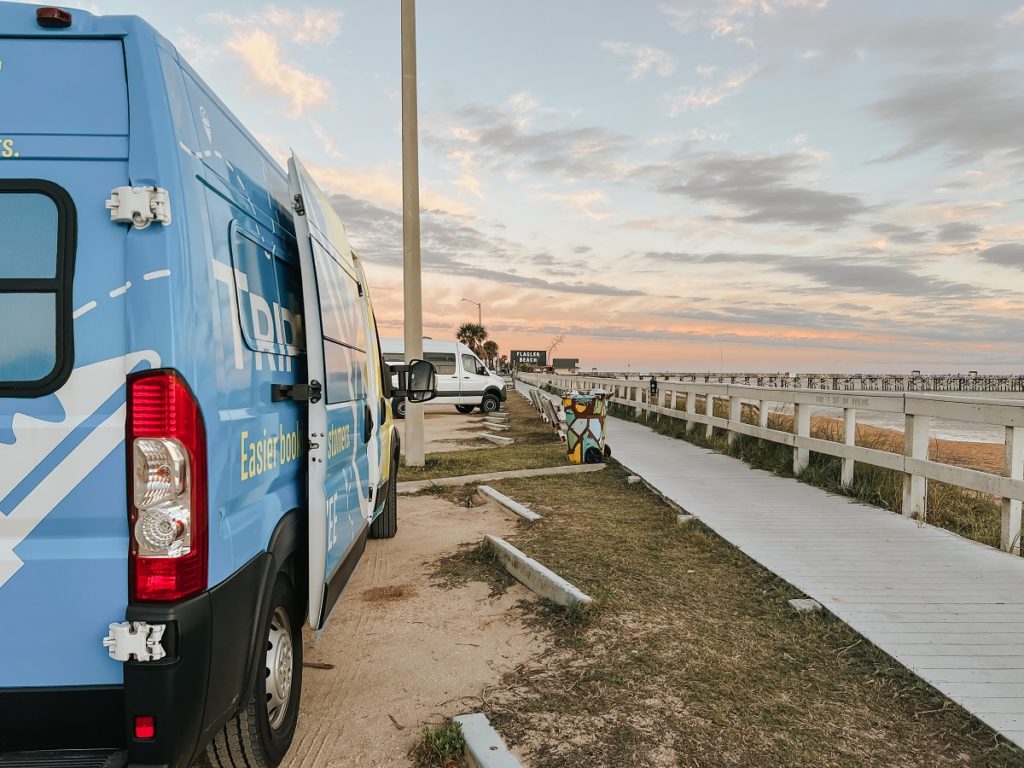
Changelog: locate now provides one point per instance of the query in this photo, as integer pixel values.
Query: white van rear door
(339, 487)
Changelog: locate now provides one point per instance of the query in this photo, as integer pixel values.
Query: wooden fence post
(762, 414)
(915, 446)
(849, 438)
(801, 428)
(709, 409)
(1014, 469)
(691, 407)
(735, 414)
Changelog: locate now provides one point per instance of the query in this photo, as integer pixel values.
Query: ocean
(941, 428)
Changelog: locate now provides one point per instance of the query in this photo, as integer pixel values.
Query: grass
(964, 512)
(690, 655)
(441, 746)
(535, 446)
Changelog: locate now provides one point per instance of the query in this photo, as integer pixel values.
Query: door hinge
(297, 392)
(360, 287)
(298, 206)
(135, 641)
(139, 206)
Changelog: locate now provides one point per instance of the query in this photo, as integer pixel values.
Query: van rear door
(63, 520)
(339, 490)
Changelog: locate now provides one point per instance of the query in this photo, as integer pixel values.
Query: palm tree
(491, 352)
(473, 335)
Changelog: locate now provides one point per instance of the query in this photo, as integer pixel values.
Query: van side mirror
(422, 381)
(415, 382)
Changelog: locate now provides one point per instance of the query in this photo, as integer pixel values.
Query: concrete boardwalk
(949, 609)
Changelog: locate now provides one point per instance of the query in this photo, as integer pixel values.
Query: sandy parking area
(405, 652)
(445, 429)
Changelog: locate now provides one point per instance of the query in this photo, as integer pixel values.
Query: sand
(404, 652)
(986, 457)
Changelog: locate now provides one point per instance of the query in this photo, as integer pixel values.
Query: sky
(691, 185)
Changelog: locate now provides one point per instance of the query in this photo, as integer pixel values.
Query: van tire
(465, 408)
(490, 403)
(248, 740)
(399, 408)
(386, 524)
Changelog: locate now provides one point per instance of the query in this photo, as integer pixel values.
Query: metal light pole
(479, 311)
(414, 453)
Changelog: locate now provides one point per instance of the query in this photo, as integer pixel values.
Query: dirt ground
(403, 652)
(445, 429)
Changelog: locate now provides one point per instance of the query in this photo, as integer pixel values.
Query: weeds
(441, 746)
(690, 655)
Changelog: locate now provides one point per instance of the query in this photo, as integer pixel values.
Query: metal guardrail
(678, 400)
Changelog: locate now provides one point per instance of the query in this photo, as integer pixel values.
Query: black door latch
(300, 393)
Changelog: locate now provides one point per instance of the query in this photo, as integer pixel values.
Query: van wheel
(399, 408)
(490, 404)
(386, 524)
(464, 408)
(262, 731)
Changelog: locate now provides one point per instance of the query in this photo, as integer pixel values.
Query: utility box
(584, 426)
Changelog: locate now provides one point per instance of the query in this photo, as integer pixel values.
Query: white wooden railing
(678, 400)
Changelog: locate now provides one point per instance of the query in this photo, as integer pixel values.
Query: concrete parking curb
(510, 504)
(498, 439)
(484, 747)
(535, 576)
(415, 486)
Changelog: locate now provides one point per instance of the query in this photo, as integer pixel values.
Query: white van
(462, 379)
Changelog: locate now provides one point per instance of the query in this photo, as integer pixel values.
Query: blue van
(196, 436)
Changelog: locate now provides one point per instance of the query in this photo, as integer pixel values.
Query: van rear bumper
(199, 685)
(192, 692)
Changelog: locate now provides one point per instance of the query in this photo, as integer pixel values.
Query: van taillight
(167, 516)
(53, 18)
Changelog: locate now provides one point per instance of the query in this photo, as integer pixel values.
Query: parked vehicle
(196, 436)
(462, 379)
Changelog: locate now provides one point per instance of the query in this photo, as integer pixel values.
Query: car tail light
(167, 515)
(145, 727)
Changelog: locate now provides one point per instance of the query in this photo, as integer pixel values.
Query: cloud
(693, 98)
(1014, 18)
(900, 233)
(847, 274)
(764, 188)
(501, 138)
(644, 58)
(261, 53)
(971, 114)
(1006, 255)
(729, 19)
(311, 27)
(958, 232)
(381, 185)
(582, 201)
(452, 247)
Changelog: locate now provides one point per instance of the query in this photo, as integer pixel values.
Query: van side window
(37, 252)
(269, 303)
(444, 362)
(470, 364)
(344, 329)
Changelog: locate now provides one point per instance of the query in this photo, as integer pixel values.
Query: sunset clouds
(678, 184)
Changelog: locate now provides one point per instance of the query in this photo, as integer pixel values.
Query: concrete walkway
(949, 609)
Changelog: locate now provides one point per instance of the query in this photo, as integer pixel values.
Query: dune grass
(691, 656)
